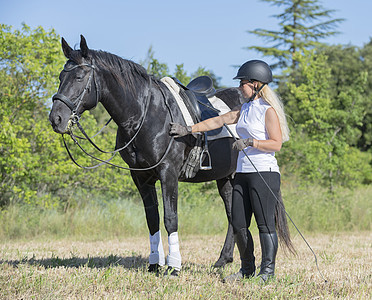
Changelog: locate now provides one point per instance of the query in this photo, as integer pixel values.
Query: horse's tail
(282, 225)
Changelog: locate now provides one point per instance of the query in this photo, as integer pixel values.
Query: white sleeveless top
(251, 123)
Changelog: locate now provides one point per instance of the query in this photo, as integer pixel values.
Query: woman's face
(247, 87)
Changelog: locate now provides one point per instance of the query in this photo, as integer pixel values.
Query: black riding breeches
(251, 196)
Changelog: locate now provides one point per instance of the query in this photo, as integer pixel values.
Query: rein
(102, 162)
(127, 144)
(104, 126)
(74, 119)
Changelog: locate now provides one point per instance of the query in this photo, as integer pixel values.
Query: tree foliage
(34, 166)
(28, 64)
(325, 124)
(365, 141)
(347, 63)
(302, 24)
(160, 70)
(326, 92)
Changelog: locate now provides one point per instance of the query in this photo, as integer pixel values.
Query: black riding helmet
(255, 70)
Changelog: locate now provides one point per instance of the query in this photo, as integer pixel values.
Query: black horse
(143, 107)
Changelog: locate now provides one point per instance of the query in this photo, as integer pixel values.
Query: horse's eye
(69, 66)
(79, 76)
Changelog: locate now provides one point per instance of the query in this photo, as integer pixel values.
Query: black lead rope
(276, 198)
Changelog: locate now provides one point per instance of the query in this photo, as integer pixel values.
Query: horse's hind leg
(225, 189)
(146, 187)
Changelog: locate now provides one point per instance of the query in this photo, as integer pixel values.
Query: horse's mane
(126, 72)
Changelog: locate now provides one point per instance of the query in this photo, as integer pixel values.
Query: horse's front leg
(169, 186)
(146, 187)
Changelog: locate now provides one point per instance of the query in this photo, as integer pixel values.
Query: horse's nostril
(55, 120)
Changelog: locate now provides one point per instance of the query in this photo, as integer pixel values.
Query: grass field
(116, 269)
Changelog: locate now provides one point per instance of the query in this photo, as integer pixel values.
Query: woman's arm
(274, 143)
(228, 118)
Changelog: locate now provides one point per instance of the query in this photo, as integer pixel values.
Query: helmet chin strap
(256, 91)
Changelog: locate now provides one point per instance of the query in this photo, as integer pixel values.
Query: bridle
(75, 117)
(75, 105)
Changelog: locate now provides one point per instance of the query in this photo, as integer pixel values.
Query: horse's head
(77, 90)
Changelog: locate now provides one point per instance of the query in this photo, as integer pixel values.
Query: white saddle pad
(216, 103)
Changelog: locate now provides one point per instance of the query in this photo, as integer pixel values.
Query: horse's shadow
(130, 262)
(136, 262)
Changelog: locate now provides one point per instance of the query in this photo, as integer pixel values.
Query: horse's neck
(122, 103)
(127, 107)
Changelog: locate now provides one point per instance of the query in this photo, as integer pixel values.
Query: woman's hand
(178, 130)
(242, 144)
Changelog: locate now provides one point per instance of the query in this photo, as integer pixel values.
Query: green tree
(365, 141)
(159, 70)
(302, 24)
(181, 74)
(34, 166)
(153, 66)
(28, 63)
(347, 62)
(323, 125)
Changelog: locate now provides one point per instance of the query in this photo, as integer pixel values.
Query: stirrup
(209, 165)
(205, 150)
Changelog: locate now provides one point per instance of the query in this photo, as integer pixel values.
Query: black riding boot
(244, 241)
(269, 246)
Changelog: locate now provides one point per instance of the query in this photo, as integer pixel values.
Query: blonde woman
(262, 128)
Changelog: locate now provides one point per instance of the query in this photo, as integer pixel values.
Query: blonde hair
(273, 99)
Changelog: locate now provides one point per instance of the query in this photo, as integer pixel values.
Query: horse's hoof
(221, 263)
(155, 268)
(171, 272)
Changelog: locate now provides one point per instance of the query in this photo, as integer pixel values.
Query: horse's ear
(83, 46)
(66, 48)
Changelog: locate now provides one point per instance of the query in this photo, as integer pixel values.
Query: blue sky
(210, 34)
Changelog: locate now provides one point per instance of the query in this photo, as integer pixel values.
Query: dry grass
(116, 269)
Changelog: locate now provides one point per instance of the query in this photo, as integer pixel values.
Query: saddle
(195, 96)
(202, 85)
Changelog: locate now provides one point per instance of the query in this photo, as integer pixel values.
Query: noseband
(74, 105)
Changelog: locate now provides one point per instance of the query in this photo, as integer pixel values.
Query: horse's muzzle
(59, 117)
